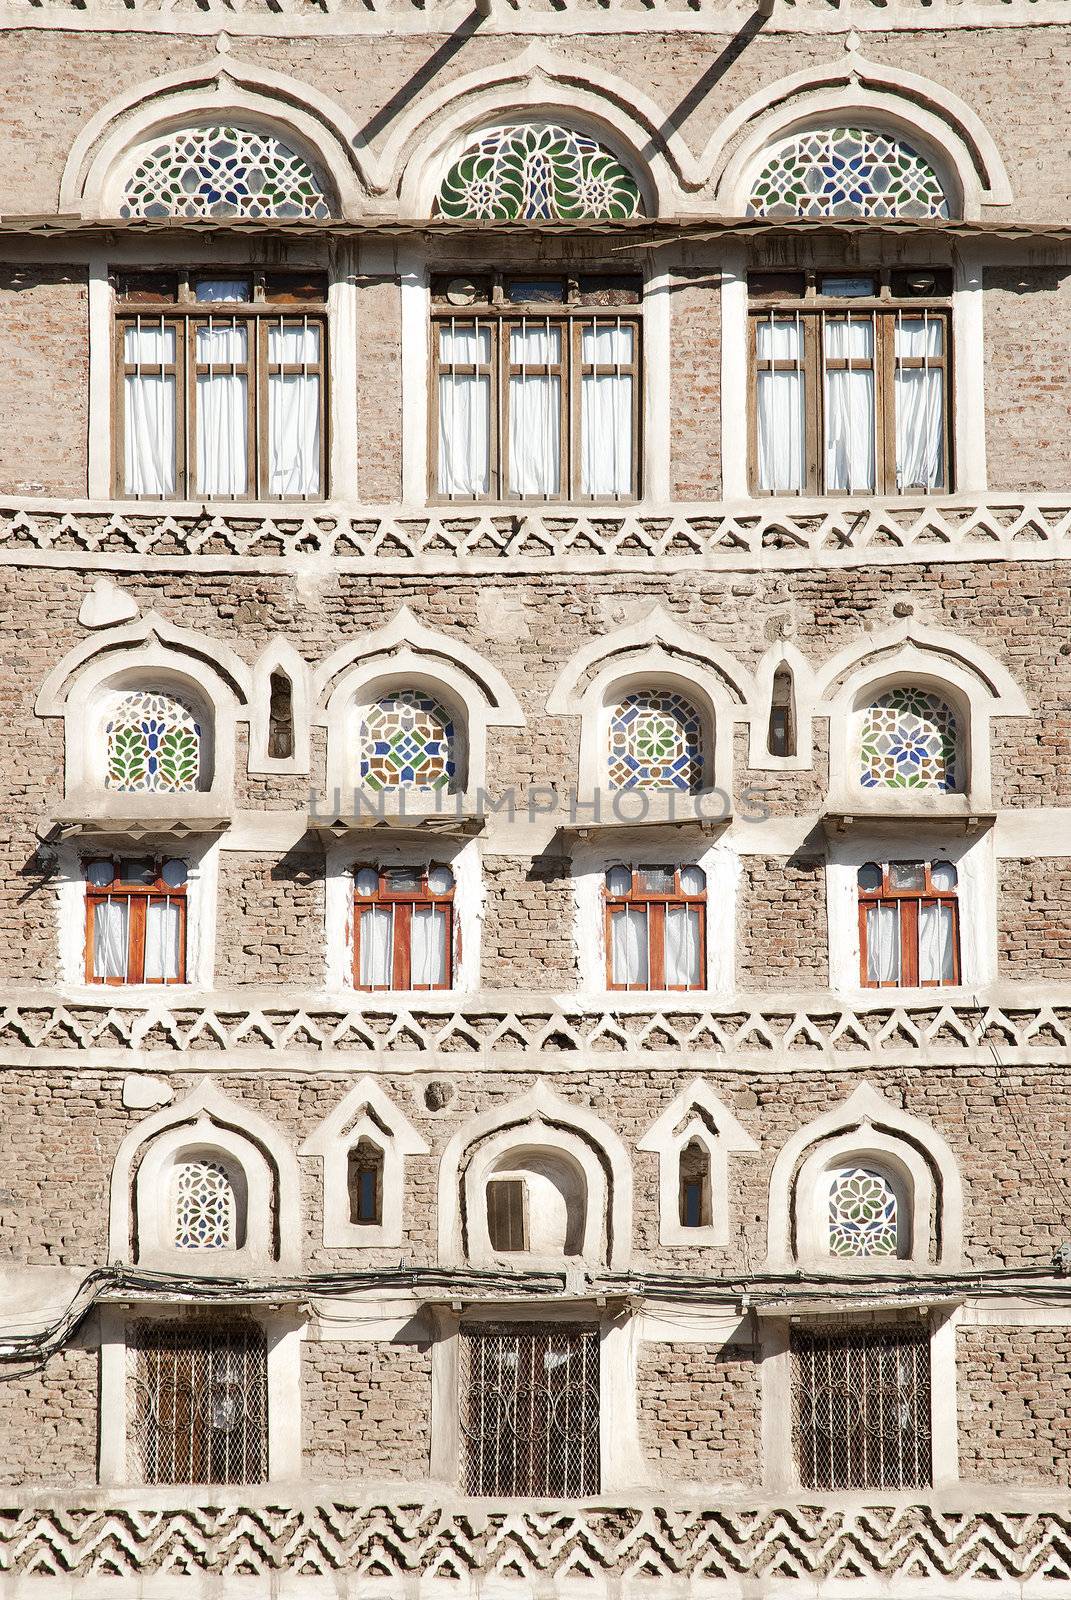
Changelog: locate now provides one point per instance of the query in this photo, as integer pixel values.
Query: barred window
(135, 921)
(655, 927)
(200, 1402)
(530, 1410)
(908, 924)
(850, 386)
(220, 387)
(403, 928)
(861, 1408)
(536, 389)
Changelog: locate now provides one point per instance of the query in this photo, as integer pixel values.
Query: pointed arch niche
(366, 1131)
(693, 1139)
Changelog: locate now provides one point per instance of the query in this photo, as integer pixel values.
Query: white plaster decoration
(279, 655)
(734, 373)
(203, 1121)
(867, 1122)
(414, 278)
(539, 1120)
(564, 1197)
(343, 334)
(142, 1092)
(926, 113)
(906, 1173)
(101, 376)
(656, 435)
(968, 372)
(365, 1113)
(380, 849)
(783, 653)
(695, 1115)
(220, 89)
(106, 605)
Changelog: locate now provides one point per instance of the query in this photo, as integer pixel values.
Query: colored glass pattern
(847, 172)
(908, 742)
(223, 172)
(154, 744)
(656, 742)
(204, 1206)
(538, 172)
(407, 742)
(862, 1214)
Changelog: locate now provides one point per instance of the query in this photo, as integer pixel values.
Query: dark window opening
(507, 1222)
(200, 1405)
(695, 1203)
(281, 718)
(365, 1179)
(781, 740)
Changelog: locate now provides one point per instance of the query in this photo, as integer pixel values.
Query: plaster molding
(366, 1111)
(721, 1136)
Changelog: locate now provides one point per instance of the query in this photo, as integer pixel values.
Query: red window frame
(653, 903)
(908, 902)
(403, 902)
(138, 895)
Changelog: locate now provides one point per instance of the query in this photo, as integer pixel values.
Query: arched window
(207, 1203)
(695, 1196)
(407, 741)
(223, 171)
(908, 741)
(538, 171)
(365, 1183)
(847, 172)
(536, 1200)
(867, 1214)
(153, 743)
(655, 742)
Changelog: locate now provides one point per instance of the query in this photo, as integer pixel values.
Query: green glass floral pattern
(153, 744)
(847, 172)
(908, 742)
(538, 171)
(223, 172)
(862, 1214)
(407, 742)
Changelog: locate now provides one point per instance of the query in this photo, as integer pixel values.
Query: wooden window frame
(359, 1167)
(516, 1183)
(138, 897)
(653, 903)
(577, 311)
(908, 902)
(813, 310)
(269, 305)
(403, 902)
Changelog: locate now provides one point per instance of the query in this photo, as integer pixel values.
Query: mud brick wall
(1014, 1424)
(1034, 933)
(48, 1421)
(700, 1412)
(44, 377)
(782, 939)
(366, 1410)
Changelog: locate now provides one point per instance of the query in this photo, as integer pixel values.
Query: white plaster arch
(206, 1118)
(783, 653)
(223, 87)
(949, 131)
(366, 1111)
(279, 655)
(905, 1169)
(695, 1114)
(566, 1192)
(866, 1123)
(540, 1119)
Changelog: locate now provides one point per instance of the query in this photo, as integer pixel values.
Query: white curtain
(919, 406)
(222, 412)
(293, 413)
(464, 412)
(535, 412)
(110, 923)
(149, 406)
(427, 948)
(779, 402)
(628, 940)
(936, 954)
(883, 944)
(849, 407)
(682, 947)
(377, 948)
(162, 941)
(606, 412)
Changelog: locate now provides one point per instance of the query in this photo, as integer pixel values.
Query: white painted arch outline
(365, 1111)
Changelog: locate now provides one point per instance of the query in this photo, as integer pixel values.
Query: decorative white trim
(343, 331)
(414, 288)
(871, 1119)
(279, 655)
(735, 376)
(783, 654)
(564, 1182)
(698, 1114)
(153, 1185)
(365, 1112)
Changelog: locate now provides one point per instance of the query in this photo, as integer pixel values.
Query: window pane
(464, 433)
(919, 406)
(682, 966)
(149, 413)
(428, 948)
(907, 874)
(111, 919)
(779, 405)
(222, 413)
(849, 408)
(937, 956)
(163, 932)
(628, 942)
(606, 406)
(209, 289)
(377, 948)
(293, 412)
(535, 434)
(943, 875)
(883, 944)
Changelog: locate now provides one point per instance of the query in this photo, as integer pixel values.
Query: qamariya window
(846, 172)
(221, 171)
(538, 171)
(154, 743)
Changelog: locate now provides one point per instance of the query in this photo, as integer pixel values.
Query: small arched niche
(536, 1202)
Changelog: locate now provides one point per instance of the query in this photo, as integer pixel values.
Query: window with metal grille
(403, 927)
(536, 388)
(850, 382)
(861, 1408)
(200, 1402)
(220, 386)
(530, 1410)
(135, 921)
(655, 927)
(908, 924)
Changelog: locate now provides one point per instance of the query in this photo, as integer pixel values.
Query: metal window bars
(861, 1408)
(530, 1410)
(200, 1402)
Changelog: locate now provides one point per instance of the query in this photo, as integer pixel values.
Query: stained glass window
(908, 742)
(154, 744)
(847, 172)
(205, 1210)
(223, 172)
(863, 1217)
(407, 742)
(656, 742)
(538, 171)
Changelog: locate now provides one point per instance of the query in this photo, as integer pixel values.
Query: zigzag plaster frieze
(952, 1033)
(718, 535)
(419, 1540)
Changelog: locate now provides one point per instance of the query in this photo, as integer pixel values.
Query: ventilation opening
(507, 1224)
(366, 1183)
(781, 738)
(695, 1209)
(281, 718)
